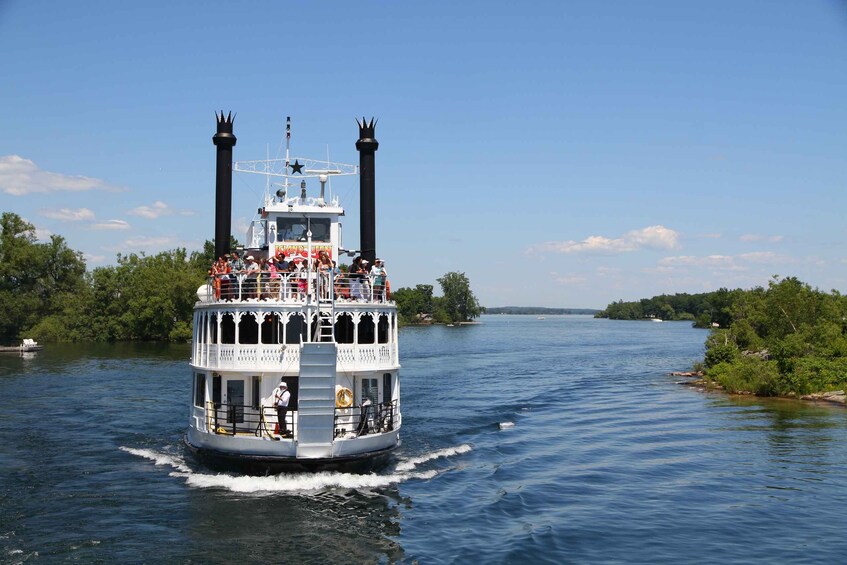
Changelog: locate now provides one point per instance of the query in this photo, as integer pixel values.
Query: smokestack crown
(366, 135)
(224, 134)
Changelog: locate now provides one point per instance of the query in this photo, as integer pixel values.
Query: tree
(458, 301)
(413, 302)
(37, 280)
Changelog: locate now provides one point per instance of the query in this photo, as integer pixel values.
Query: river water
(560, 440)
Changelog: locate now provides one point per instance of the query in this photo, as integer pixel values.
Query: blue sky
(562, 154)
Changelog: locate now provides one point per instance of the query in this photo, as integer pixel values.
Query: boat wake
(410, 464)
(296, 482)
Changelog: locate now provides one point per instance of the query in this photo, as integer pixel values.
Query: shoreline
(835, 397)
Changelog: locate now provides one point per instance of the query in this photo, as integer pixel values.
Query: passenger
(378, 274)
(225, 282)
(364, 272)
(354, 275)
(281, 398)
(325, 268)
(293, 277)
(236, 277)
(251, 282)
(263, 280)
(215, 275)
(273, 281)
(281, 261)
(303, 280)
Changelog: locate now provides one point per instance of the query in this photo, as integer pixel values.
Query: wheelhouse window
(296, 229)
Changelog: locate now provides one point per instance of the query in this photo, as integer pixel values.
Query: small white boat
(27, 346)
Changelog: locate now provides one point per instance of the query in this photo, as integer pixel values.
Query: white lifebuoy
(344, 398)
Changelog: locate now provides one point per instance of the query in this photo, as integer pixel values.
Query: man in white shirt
(281, 398)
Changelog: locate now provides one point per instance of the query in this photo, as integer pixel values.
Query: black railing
(365, 419)
(233, 419)
(356, 421)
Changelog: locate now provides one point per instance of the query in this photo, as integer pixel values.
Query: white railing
(295, 287)
(281, 357)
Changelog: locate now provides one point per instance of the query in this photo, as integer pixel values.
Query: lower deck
(332, 414)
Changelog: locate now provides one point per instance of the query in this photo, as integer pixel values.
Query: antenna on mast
(287, 144)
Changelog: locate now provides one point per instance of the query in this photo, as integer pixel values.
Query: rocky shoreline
(837, 397)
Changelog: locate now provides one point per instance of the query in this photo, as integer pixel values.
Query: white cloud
(68, 215)
(19, 176)
(723, 262)
(751, 237)
(147, 243)
(652, 237)
(568, 279)
(42, 234)
(93, 259)
(157, 210)
(111, 225)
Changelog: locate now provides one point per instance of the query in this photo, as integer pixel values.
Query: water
(525, 441)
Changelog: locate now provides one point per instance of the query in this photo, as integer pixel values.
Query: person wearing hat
(251, 287)
(281, 398)
(378, 275)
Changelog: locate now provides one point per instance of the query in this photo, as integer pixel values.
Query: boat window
(366, 329)
(227, 328)
(212, 321)
(387, 393)
(344, 329)
(199, 389)
(382, 329)
(295, 229)
(370, 390)
(216, 390)
(235, 400)
(271, 327)
(295, 329)
(248, 330)
(257, 398)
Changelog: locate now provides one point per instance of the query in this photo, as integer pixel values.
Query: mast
(224, 140)
(367, 146)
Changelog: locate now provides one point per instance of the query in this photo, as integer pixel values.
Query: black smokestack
(367, 146)
(224, 141)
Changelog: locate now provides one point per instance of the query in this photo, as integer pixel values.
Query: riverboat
(332, 339)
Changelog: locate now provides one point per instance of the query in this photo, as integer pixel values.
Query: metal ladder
(326, 313)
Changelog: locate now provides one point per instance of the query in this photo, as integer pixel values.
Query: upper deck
(258, 321)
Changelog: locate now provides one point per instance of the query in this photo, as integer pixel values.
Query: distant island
(539, 311)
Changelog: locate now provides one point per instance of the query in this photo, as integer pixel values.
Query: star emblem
(296, 167)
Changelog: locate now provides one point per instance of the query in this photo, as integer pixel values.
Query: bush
(748, 375)
(720, 349)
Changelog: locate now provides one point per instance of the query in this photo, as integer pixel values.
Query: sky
(560, 154)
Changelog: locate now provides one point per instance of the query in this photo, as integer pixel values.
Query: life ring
(344, 398)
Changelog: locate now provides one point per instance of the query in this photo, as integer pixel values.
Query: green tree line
(704, 309)
(786, 339)
(46, 292)
(456, 305)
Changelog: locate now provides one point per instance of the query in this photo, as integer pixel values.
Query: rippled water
(524, 440)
